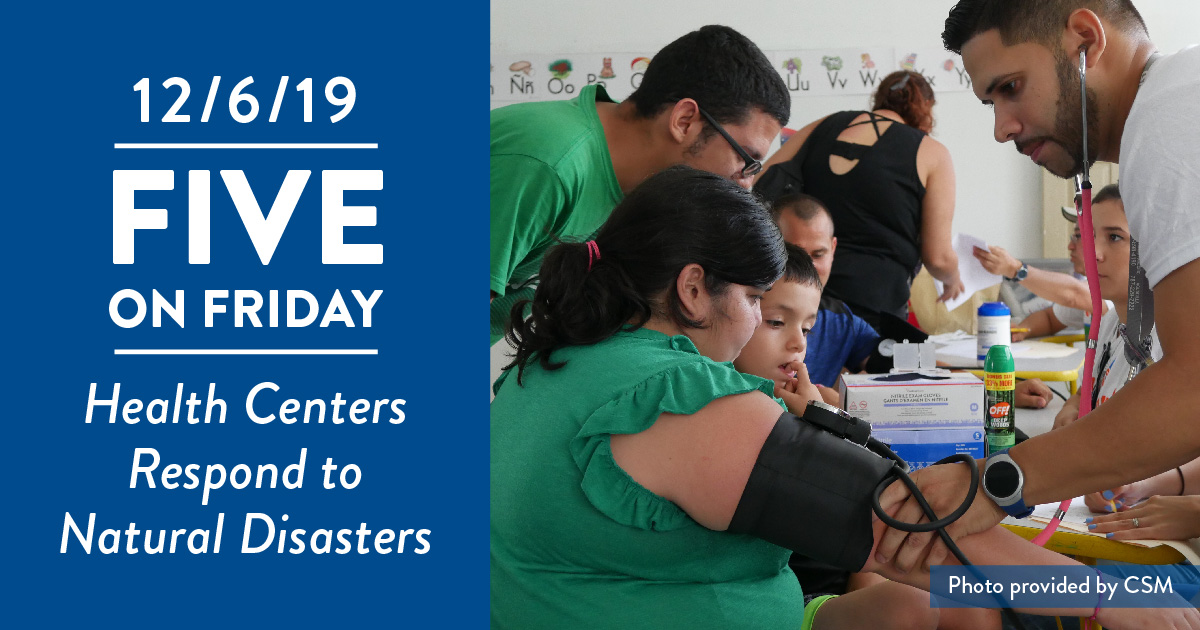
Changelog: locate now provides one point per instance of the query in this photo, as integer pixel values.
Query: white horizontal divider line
(242, 351)
(245, 145)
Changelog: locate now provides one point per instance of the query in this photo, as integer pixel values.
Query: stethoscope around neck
(1141, 300)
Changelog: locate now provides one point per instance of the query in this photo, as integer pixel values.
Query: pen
(1019, 330)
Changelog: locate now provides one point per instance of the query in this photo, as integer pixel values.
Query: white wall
(993, 179)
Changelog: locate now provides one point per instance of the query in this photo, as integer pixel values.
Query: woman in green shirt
(622, 439)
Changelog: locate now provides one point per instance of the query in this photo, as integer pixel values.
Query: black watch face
(1001, 479)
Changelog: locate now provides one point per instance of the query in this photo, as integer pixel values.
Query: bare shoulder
(726, 423)
(701, 461)
(933, 150)
(932, 157)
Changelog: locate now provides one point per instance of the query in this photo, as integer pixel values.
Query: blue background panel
(68, 98)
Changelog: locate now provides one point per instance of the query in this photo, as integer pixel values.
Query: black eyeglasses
(752, 166)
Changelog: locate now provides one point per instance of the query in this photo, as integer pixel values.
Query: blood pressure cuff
(810, 491)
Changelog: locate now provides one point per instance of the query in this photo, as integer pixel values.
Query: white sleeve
(1070, 317)
(1160, 165)
(1073, 317)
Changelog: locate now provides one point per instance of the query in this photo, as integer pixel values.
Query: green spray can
(999, 392)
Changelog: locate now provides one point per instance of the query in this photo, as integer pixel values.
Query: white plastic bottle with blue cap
(992, 327)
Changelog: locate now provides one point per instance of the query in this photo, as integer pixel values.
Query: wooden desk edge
(1075, 544)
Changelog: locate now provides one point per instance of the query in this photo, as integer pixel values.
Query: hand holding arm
(944, 487)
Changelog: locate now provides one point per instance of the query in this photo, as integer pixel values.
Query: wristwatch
(1021, 273)
(1004, 483)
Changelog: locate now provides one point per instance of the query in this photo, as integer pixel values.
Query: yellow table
(1061, 369)
(1070, 377)
(1087, 549)
(1069, 340)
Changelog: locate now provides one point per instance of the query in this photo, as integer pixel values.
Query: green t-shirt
(576, 542)
(552, 178)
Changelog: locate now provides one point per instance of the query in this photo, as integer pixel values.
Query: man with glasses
(559, 168)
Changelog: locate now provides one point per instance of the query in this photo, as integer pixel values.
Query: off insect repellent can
(999, 390)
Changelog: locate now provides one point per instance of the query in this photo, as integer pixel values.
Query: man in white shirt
(1023, 59)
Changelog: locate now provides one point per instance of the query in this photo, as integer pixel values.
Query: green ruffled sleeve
(681, 389)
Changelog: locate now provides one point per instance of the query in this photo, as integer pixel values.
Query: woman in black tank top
(890, 190)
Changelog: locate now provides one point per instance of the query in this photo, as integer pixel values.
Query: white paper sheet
(974, 277)
(1074, 520)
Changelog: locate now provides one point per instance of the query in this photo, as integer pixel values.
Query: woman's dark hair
(675, 218)
(1111, 191)
(907, 93)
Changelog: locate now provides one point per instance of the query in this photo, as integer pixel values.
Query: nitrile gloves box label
(912, 401)
(921, 447)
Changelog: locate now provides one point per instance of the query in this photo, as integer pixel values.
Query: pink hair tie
(593, 253)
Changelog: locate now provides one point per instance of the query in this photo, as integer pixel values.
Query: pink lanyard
(1093, 279)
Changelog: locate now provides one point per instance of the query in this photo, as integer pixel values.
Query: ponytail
(573, 306)
(678, 217)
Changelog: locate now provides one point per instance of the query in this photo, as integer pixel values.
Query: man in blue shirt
(840, 339)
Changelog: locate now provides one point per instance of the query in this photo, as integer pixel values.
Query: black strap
(853, 150)
(850, 150)
(1099, 382)
(1139, 320)
(874, 119)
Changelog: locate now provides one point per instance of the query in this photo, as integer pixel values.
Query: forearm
(1059, 288)
(1152, 437)
(943, 268)
(1191, 477)
(1172, 482)
(1038, 323)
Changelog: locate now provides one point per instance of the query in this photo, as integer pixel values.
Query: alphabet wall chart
(519, 77)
